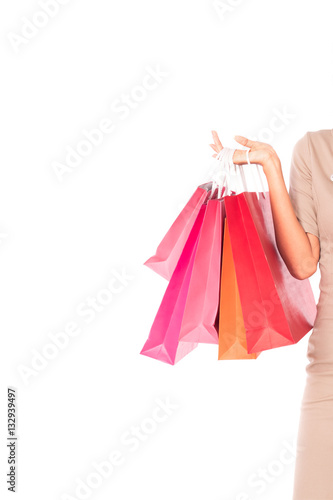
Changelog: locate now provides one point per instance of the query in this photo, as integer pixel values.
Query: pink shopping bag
(201, 309)
(278, 309)
(168, 251)
(163, 342)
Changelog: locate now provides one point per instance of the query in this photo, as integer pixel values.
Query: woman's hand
(259, 152)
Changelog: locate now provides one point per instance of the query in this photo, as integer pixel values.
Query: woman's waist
(325, 302)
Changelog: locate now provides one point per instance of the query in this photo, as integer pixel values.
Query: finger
(214, 147)
(216, 139)
(240, 157)
(244, 141)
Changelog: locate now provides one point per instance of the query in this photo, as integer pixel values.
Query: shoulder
(320, 137)
(311, 141)
(301, 151)
(325, 134)
(300, 169)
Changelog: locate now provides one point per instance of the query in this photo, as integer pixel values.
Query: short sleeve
(300, 187)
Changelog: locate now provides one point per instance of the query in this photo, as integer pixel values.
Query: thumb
(244, 141)
(240, 138)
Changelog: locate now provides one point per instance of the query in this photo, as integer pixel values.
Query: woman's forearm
(292, 241)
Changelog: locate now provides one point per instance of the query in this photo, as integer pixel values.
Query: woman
(303, 222)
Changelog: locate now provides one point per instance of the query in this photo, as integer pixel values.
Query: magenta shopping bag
(163, 342)
(200, 314)
(278, 309)
(168, 251)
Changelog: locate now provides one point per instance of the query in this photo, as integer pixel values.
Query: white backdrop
(107, 109)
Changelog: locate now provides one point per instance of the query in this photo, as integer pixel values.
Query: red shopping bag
(163, 342)
(278, 309)
(168, 251)
(199, 321)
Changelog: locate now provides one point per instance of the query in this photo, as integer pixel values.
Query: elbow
(299, 266)
(300, 276)
(302, 272)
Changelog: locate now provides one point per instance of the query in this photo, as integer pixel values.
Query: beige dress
(311, 194)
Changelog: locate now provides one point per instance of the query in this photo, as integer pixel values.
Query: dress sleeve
(300, 187)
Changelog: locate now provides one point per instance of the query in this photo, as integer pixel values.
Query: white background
(63, 238)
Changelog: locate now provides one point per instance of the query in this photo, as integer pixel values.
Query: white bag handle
(259, 175)
(222, 178)
(226, 167)
(226, 164)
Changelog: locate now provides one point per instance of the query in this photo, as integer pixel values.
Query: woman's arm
(299, 250)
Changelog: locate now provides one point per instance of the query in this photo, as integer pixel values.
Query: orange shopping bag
(232, 335)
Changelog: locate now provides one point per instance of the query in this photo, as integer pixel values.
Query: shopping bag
(232, 335)
(163, 342)
(202, 302)
(278, 309)
(168, 251)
